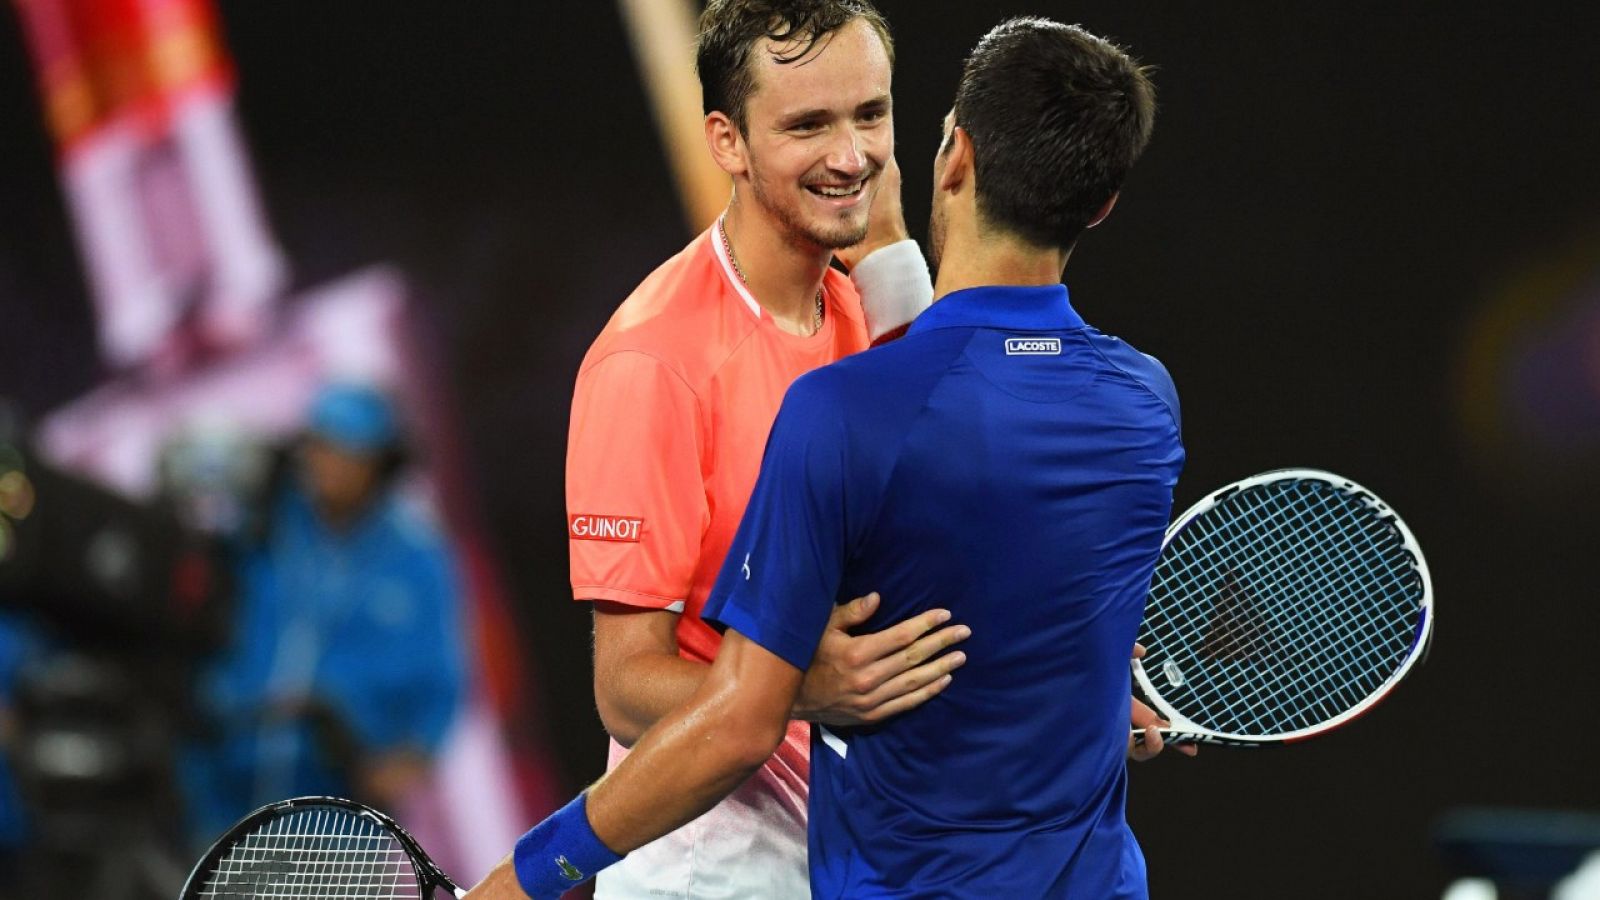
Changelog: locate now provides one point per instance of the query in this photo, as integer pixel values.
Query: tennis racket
(316, 847)
(1282, 607)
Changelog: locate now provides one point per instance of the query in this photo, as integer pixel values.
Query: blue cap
(354, 416)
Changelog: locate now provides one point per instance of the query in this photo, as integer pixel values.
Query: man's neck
(970, 261)
(783, 276)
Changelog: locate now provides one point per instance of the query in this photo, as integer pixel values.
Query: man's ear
(1105, 210)
(957, 172)
(725, 143)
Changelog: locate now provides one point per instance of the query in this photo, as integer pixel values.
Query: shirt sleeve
(782, 574)
(636, 500)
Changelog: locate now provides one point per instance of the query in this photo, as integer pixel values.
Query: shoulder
(684, 316)
(1142, 368)
(876, 382)
(817, 395)
(892, 365)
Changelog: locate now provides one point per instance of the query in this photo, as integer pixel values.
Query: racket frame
(429, 875)
(1184, 730)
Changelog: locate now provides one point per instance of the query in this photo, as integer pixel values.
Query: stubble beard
(828, 236)
(935, 236)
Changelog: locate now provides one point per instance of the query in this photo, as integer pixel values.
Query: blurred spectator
(16, 645)
(346, 663)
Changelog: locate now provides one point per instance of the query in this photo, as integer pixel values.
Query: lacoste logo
(1033, 346)
(568, 870)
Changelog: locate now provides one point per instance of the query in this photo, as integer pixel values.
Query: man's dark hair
(1057, 116)
(730, 30)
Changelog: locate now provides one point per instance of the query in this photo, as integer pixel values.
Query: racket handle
(1168, 736)
(1177, 736)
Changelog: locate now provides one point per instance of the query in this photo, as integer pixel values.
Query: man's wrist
(804, 711)
(873, 246)
(894, 285)
(560, 853)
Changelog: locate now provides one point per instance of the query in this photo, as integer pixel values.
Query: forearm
(693, 757)
(696, 755)
(681, 768)
(643, 689)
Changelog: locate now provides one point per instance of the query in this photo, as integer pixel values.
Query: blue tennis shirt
(1009, 463)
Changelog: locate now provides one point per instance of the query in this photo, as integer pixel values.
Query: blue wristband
(560, 853)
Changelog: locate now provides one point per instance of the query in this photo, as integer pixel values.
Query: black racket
(1283, 606)
(316, 847)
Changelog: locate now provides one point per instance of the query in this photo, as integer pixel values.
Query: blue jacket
(364, 623)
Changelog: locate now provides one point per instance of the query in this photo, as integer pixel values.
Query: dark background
(1334, 194)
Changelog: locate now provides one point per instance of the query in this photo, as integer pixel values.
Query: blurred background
(1366, 237)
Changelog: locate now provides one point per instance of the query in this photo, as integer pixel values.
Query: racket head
(316, 847)
(1283, 606)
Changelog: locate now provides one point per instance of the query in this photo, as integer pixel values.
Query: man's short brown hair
(1057, 117)
(729, 30)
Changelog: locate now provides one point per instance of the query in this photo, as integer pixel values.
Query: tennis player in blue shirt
(1004, 461)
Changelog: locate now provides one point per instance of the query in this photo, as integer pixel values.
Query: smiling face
(818, 131)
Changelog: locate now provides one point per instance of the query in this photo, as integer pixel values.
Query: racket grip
(1168, 736)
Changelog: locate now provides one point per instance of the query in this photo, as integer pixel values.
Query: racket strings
(1322, 622)
(1284, 688)
(1239, 613)
(1282, 607)
(317, 852)
(1342, 675)
(1312, 623)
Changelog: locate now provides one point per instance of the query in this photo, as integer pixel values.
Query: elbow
(751, 755)
(623, 728)
(751, 740)
(620, 729)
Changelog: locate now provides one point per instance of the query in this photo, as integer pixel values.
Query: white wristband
(894, 285)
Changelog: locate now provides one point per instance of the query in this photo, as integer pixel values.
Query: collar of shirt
(1006, 308)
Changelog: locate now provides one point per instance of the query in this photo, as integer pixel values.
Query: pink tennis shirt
(669, 419)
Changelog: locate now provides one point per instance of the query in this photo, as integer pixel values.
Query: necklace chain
(816, 311)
